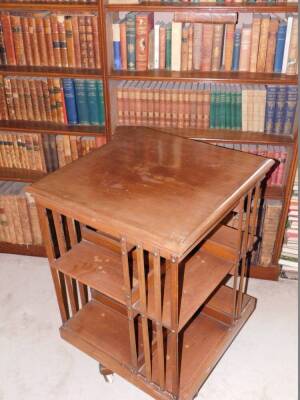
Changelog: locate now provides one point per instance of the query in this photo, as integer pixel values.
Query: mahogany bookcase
(140, 255)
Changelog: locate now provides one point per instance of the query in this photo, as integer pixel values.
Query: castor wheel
(107, 374)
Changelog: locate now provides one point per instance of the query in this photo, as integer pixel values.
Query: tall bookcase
(111, 78)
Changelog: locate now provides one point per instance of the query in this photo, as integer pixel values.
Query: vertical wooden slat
(174, 294)
(59, 233)
(244, 255)
(44, 224)
(127, 284)
(71, 230)
(158, 316)
(143, 300)
(173, 336)
(254, 213)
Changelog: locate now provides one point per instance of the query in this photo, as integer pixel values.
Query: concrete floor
(35, 364)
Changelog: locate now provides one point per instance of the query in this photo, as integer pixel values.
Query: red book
(8, 39)
(144, 24)
(123, 45)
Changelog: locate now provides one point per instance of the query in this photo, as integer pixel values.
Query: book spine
(56, 41)
(206, 106)
(9, 99)
(81, 102)
(168, 46)
(280, 42)
(142, 42)
(69, 93)
(290, 109)
(162, 46)
(292, 59)
(131, 41)
(76, 39)
(83, 42)
(236, 50)
(3, 107)
(263, 43)
(229, 41)
(270, 108)
(28, 99)
(40, 96)
(116, 46)
(96, 44)
(70, 41)
(271, 45)
(123, 45)
(184, 47)
(206, 17)
(138, 105)
(279, 110)
(190, 47)
(93, 102)
(42, 46)
(34, 98)
(8, 39)
(156, 45)
(18, 39)
(120, 104)
(245, 48)
(176, 46)
(3, 58)
(217, 47)
(21, 95)
(49, 41)
(100, 102)
(62, 40)
(287, 43)
(256, 24)
(207, 42)
(26, 41)
(89, 41)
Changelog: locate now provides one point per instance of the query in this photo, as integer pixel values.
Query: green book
(130, 40)
(92, 99)
(81, 102)
(100, 96)
(227, 107)
(212, 116)
(222, 108)
(168, 45)
(232, 107)
(217, 106)
(239, 108)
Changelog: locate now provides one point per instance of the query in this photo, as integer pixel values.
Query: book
(131, 40)
(176, 46)
(69, 93)
(263, 43)
(217, 47)
(292, 59)
(271, 47)
(287, 43)
(280, 43)
(245, 48)
(207, 43)
(116, 45)
(228, 46)
(236, 49)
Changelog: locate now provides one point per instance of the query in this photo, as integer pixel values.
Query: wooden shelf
(211, 7)
(198, 278)
(23, 249)
(51, 128)
(51, 72)
(20, 175)
(49, 6)
(218, 76)
(97, 267)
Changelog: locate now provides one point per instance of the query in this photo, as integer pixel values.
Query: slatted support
(173, 336)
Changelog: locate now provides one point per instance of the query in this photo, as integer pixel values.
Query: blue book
(279, 109)
(92, 99)
(117, 46)
(290, 109)
(81, 102)
(270, 108)
(69, 93)
(100, 95)
(280, 42)
(236, 50)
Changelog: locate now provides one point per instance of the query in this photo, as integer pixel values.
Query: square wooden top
(155, 189)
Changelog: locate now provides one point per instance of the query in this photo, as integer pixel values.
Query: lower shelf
(23, 249)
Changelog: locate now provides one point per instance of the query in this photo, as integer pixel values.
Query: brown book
(193, 100)
(83, 42)
(90, 42)
(131, 102)
(292, 63)
(28, 99)
(197, 45)
(22, 101)
(40, 31)
(206, 106)
(56, 40)
(263, 44)
(217, 47)
(13, 196)
(228, 46)
(162, 46)
(24, 218)
(34, 220)
(60, 102)
(120, 103)
(174, 104)
(184, 47)
(15, 96)
(40, 96)
(144, 23)
(6, 201)
(7, 151)
(46, 99)
(9, 99)
(70, 41)
(273, 28)
(26, 41)
(156, 102)
(22, 144)
(49, 40)
(162, 104)
(34, 98)
(3, 106)
(79, 146)
(60, 150)
(8, 38)
(123, 44)
(199, 102)
(62, 40)
(256, 25)
(207, 42)
(205, 17)
(181, 105)
(244, 64)
(16, 27)
(75, 30)
(190, 47)
(96, 43)
(34, 41)
(138, 104)
(52, 99)
(67, 149)
(73, 145)
(186, 101)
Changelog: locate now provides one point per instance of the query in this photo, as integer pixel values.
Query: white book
(156, 45)
(287, 43)
(176, 46)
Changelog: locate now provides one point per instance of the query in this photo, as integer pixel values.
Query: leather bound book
(150, 103)
(190, 47)
(180, 107)
(206, 17)
(60, 151)
(34, 41)
(49, 41)
(40, 31)
(62, 40)
(290, 109)
(76, 40)
(193, 105)
(263, 44)
(52, 99)
(34, 97)
(95, 32)
(90, 42)
(16, 27)
(162, 104)
(236, 50)
(47, 153)
(187, 104)
(199, 101)
(56, 42)
(83, 42)
(26, 41)
(207, 43)
(28, 99)
(8, 38)
(25, 219)
(40, 96)
(3, 59)
(138, 104)
(228, 46)
(168, 108)
(280, 109)
(197, 46)
(245, 48)
(15, 96)
(206, 105)
(22, 101)
(162, 46)
(70, 41)
(184, 47)
(46, 98)
(270, 108)
(273, 28)
(256, 24)
(3, 107)
(176, 46)
(131, 102)
(9, 98)
(156, 90)
(131, 41)
(123, 44)
(73, 145)
(292, 62)
(217, 47)
(120, 102)
(126, 103)
(144, 23)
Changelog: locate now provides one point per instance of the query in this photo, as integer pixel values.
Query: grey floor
(35, 364)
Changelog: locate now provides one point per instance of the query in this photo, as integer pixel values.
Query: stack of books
(206, 42)
(251, 108)
(64, 101)
(289, 255)
(19, 222)
(47, 39)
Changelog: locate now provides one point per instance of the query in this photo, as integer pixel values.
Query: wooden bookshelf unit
(140, 255)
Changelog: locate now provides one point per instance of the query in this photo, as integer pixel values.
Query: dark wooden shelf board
(96, 266)
(23, 249)
(50, 127)
(49, 6)
(51, 71)
(21, 175)
(209, 7)
(198, 278)
(218, 76)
